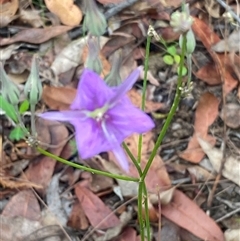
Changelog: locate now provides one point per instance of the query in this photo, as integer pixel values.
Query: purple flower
(103, 116)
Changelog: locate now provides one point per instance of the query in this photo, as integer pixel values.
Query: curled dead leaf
(68, 13)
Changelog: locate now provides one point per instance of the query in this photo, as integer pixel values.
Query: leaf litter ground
(53, 200)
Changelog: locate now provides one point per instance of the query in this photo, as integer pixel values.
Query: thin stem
(135, 162)
(144, 93)
(33, 127)
(171, 113)
(146, 210)
(88, 169)
(140, 211)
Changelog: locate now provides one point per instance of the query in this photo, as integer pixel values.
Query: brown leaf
(185, 213)
(77, 219)
(68, 12)
(206, 113)
(150, 106)
(115, 43)
(35, 35)
(209, 38)
(99, 215)
(7, 182)
(128, 234)
(58, 98)
(23, 204)
(209, 74)
(41, 169)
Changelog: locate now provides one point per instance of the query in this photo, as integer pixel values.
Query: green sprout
(172, 58)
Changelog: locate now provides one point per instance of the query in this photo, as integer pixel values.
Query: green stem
(135, 162)
(140, 210)
(88, 169)
(144, 92)
(146, 211)
(171, 113)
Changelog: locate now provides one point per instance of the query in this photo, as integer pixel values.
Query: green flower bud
(33, 86)
(94, 20)
(191, 41)
(114, 78)
(9, 90)
(93, 61)
(181, 21)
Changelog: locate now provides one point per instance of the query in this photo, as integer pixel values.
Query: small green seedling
(172, 58)
(17, 133)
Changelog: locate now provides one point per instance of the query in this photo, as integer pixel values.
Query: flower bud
(114, 78)
(93, 61)
(33, 86)
(94, 20)
(181, 21)
(9, 90)
(191, 41)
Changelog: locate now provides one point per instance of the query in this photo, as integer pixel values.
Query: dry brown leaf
(58, 98)
(77, 219)
(7, 12)
(185, 213)
(209, 74)
(231, 168)
(68, 13)
(35, 35)
(205, 115)
(150, 106)
(99, 215)
(128, 234)
(6, 182)
(24, 204)
(40, 170)
(223, 63)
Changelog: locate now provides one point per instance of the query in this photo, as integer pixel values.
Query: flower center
(98, 114)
